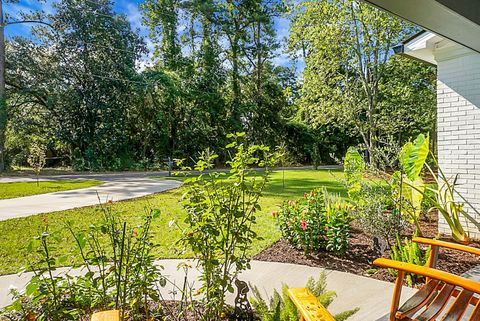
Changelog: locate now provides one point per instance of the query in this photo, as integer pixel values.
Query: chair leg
(397, 291)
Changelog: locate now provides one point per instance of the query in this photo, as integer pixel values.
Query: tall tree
(87, 58)
(162, 16)
(346, 62)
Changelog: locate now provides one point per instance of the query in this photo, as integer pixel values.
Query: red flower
(274, 214)
(303, 225)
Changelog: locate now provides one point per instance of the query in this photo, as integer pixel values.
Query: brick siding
(458, 103)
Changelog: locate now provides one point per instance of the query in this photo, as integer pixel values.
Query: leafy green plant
(377, 216)
(409, 252)
(281, 308)
(441, 195)
(37, 158)
(315, 222)
(120, 274)
(221, 212)
(408, 186)
(444, 201)
(354, 167)
(338, 224)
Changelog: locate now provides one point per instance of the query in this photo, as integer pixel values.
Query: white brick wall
(458, 103)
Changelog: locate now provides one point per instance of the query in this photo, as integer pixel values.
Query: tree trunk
(3, 99)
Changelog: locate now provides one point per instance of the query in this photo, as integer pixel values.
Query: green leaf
(413, 156)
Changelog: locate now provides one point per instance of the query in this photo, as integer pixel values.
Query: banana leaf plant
(413, 159)
(408, 187)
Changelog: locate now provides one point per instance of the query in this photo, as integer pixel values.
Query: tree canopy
(78, 87)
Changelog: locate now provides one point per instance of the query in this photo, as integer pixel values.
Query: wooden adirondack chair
(444, 296)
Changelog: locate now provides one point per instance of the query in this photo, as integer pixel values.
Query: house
(451, 41)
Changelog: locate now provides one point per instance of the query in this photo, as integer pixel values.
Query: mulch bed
(175, 311)
(359, 258)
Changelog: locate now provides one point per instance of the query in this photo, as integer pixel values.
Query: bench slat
(111, 315)
(308, 305)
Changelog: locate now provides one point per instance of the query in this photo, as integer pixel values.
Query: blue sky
(131, 10)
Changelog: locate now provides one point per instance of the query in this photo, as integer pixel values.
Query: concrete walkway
(371, 296)
(116, 188)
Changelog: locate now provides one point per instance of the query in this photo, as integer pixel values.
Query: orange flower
(274, 214)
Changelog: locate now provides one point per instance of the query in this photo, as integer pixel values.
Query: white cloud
(134, 16)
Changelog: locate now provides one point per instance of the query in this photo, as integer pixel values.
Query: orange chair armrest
(430, 273)
(449, 245)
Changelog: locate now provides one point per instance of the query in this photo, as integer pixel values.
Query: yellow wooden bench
(308, 305)
(111, 315)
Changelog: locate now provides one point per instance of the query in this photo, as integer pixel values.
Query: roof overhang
(457, 20)
(420, 47)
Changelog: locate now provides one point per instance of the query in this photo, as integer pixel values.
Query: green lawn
(16, 233)
(20, 189)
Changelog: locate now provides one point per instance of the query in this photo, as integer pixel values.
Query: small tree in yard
(37, 158)
(221, 213)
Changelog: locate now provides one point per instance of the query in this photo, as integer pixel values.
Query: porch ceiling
(458, 20)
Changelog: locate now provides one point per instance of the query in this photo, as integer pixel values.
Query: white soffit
(422, 47)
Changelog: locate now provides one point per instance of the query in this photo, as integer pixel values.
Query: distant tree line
(76, 87)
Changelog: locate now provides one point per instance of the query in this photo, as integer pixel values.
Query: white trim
(432, 48)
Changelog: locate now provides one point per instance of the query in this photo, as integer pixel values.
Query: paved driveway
(117, 187)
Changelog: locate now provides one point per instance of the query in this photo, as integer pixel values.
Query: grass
(20, 189)
(17, 233)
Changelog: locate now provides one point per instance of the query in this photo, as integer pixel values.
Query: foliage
(120, 273)
(377, 215)
(37, 158)
(409, 252)
(315, 222)
(351, 76)
(354, 167)
(81, 83)
(221, 213)
(281, 307)
(374, 206)
(408, 188)
(443, 198)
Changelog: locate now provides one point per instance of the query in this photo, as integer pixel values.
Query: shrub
(37, 158)
(373, 206)
(221, 213)
(377, 216)
(409, 252)
(119, 273)
(315, 222)
(281, 307)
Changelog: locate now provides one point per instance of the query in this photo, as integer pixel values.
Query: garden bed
(359, 257)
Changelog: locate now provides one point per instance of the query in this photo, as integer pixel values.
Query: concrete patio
(371, 296)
